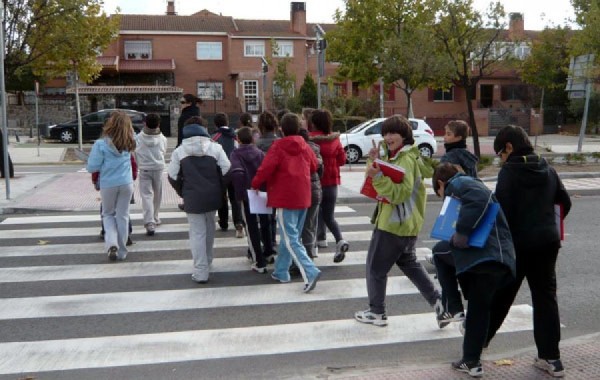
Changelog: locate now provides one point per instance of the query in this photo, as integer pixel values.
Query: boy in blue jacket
(483, 271)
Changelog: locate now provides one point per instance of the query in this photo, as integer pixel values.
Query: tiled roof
(105, 60)
(201, 23)
(151, 65)
(96, 90)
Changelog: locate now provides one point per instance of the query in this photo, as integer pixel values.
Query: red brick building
(157, 58)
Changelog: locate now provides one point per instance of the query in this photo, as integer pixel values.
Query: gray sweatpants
(151, 194)
(385, 250)
(115, 217)
(202, 237)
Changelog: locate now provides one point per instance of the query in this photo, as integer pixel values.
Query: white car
(358, 141)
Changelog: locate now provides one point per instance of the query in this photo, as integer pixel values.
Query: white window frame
(213, 50)
(444, 99)
(283, 48)
(254, 48)
(251, 98)
(207, 89)
(134, 49)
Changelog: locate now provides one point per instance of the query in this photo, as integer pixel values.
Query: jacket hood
(531, 170)
(317, 136)
(149, 140)
(196, 145)
(293, 145)
(226, 131)
(111, 147)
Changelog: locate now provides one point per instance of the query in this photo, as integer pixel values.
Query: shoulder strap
(216, 136)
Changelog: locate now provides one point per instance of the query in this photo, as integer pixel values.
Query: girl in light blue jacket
(111, 157)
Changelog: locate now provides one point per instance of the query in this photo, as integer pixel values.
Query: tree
(587, 16)
(392, 40)
(48, 38)
(470, 40)
(547, 65)
(308, 92)
(283, 80)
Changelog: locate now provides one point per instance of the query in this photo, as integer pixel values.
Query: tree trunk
(469, 87)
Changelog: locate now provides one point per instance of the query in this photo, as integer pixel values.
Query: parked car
(357, 141)
(91, 125)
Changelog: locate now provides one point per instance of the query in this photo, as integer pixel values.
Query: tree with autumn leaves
(48, 38)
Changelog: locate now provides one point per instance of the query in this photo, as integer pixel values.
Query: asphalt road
(578, 294)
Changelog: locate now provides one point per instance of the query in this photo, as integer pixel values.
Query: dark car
(91, 125)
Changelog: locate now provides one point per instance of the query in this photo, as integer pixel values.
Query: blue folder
(445, 224)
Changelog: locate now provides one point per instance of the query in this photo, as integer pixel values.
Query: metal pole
(381, 98)
(264, 87)
(318, 72)
(588, 91)
(79, 126)
(37, 121)
(3, 108)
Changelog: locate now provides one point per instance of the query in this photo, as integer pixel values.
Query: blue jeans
(290, 224)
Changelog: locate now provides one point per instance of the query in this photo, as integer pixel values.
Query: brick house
(157, 58)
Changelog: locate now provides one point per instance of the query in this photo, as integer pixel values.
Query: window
(514, 92)
(441, 95)
(283, 49)
(279, 91)
(254, 48)
(210, 90)
(209, 51)
(138, 49)
(522, 51)
(251, 95)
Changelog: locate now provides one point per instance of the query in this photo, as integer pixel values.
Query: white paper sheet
(258, 202)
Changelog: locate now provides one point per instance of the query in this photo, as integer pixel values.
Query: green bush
(484, 162)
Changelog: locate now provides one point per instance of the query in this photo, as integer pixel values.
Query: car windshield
(360, 126)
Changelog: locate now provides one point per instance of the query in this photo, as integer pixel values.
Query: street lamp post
(321, 46)
(3, 108)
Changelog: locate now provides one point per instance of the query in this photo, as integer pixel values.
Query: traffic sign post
(579, 84)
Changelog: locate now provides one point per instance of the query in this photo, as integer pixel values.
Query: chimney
(516, 27)
(171, 8)
(298, 17)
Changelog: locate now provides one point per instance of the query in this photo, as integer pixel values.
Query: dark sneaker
(294, 270)
(112, 253)
(180, 206)
(366, 316)
(446, 318)
(312, 284)
(341, 247)
(199, 280)
(553, 367)
(129, 241)
(473, 369)
(150, 227)
(270, 259)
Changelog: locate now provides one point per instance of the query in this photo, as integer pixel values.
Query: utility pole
(3, 108)
(265, 70)
(321, 46)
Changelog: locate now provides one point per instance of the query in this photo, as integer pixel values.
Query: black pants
(483, 281)
(236, 209)
(256, 235)
(446, 274)
(538, 265)
(327, 214)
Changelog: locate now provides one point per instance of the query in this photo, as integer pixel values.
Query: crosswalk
(64, 307)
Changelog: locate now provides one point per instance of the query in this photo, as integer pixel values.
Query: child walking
(398, 222)
(111, 157)
(483, 271)
(150, 151)
(196, 172)
(286, 170)
(455, 143)
(245, 161)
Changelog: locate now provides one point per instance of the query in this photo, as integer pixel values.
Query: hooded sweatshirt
(226, 137)
(245, 161)
(202, 163)
(333, 155)
(151, 149)
(457, 154)
(286, 170)
(114, 166)
(527, 189)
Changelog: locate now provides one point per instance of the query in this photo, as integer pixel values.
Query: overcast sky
(538, 13)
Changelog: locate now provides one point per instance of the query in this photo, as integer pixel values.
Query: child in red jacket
(286, 169)
(96, 182)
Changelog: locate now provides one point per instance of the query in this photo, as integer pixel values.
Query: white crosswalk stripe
(49, 279)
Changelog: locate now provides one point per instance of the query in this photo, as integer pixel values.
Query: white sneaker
(255, 268)
(366, 316)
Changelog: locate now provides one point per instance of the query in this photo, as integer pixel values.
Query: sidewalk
(41, 191)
